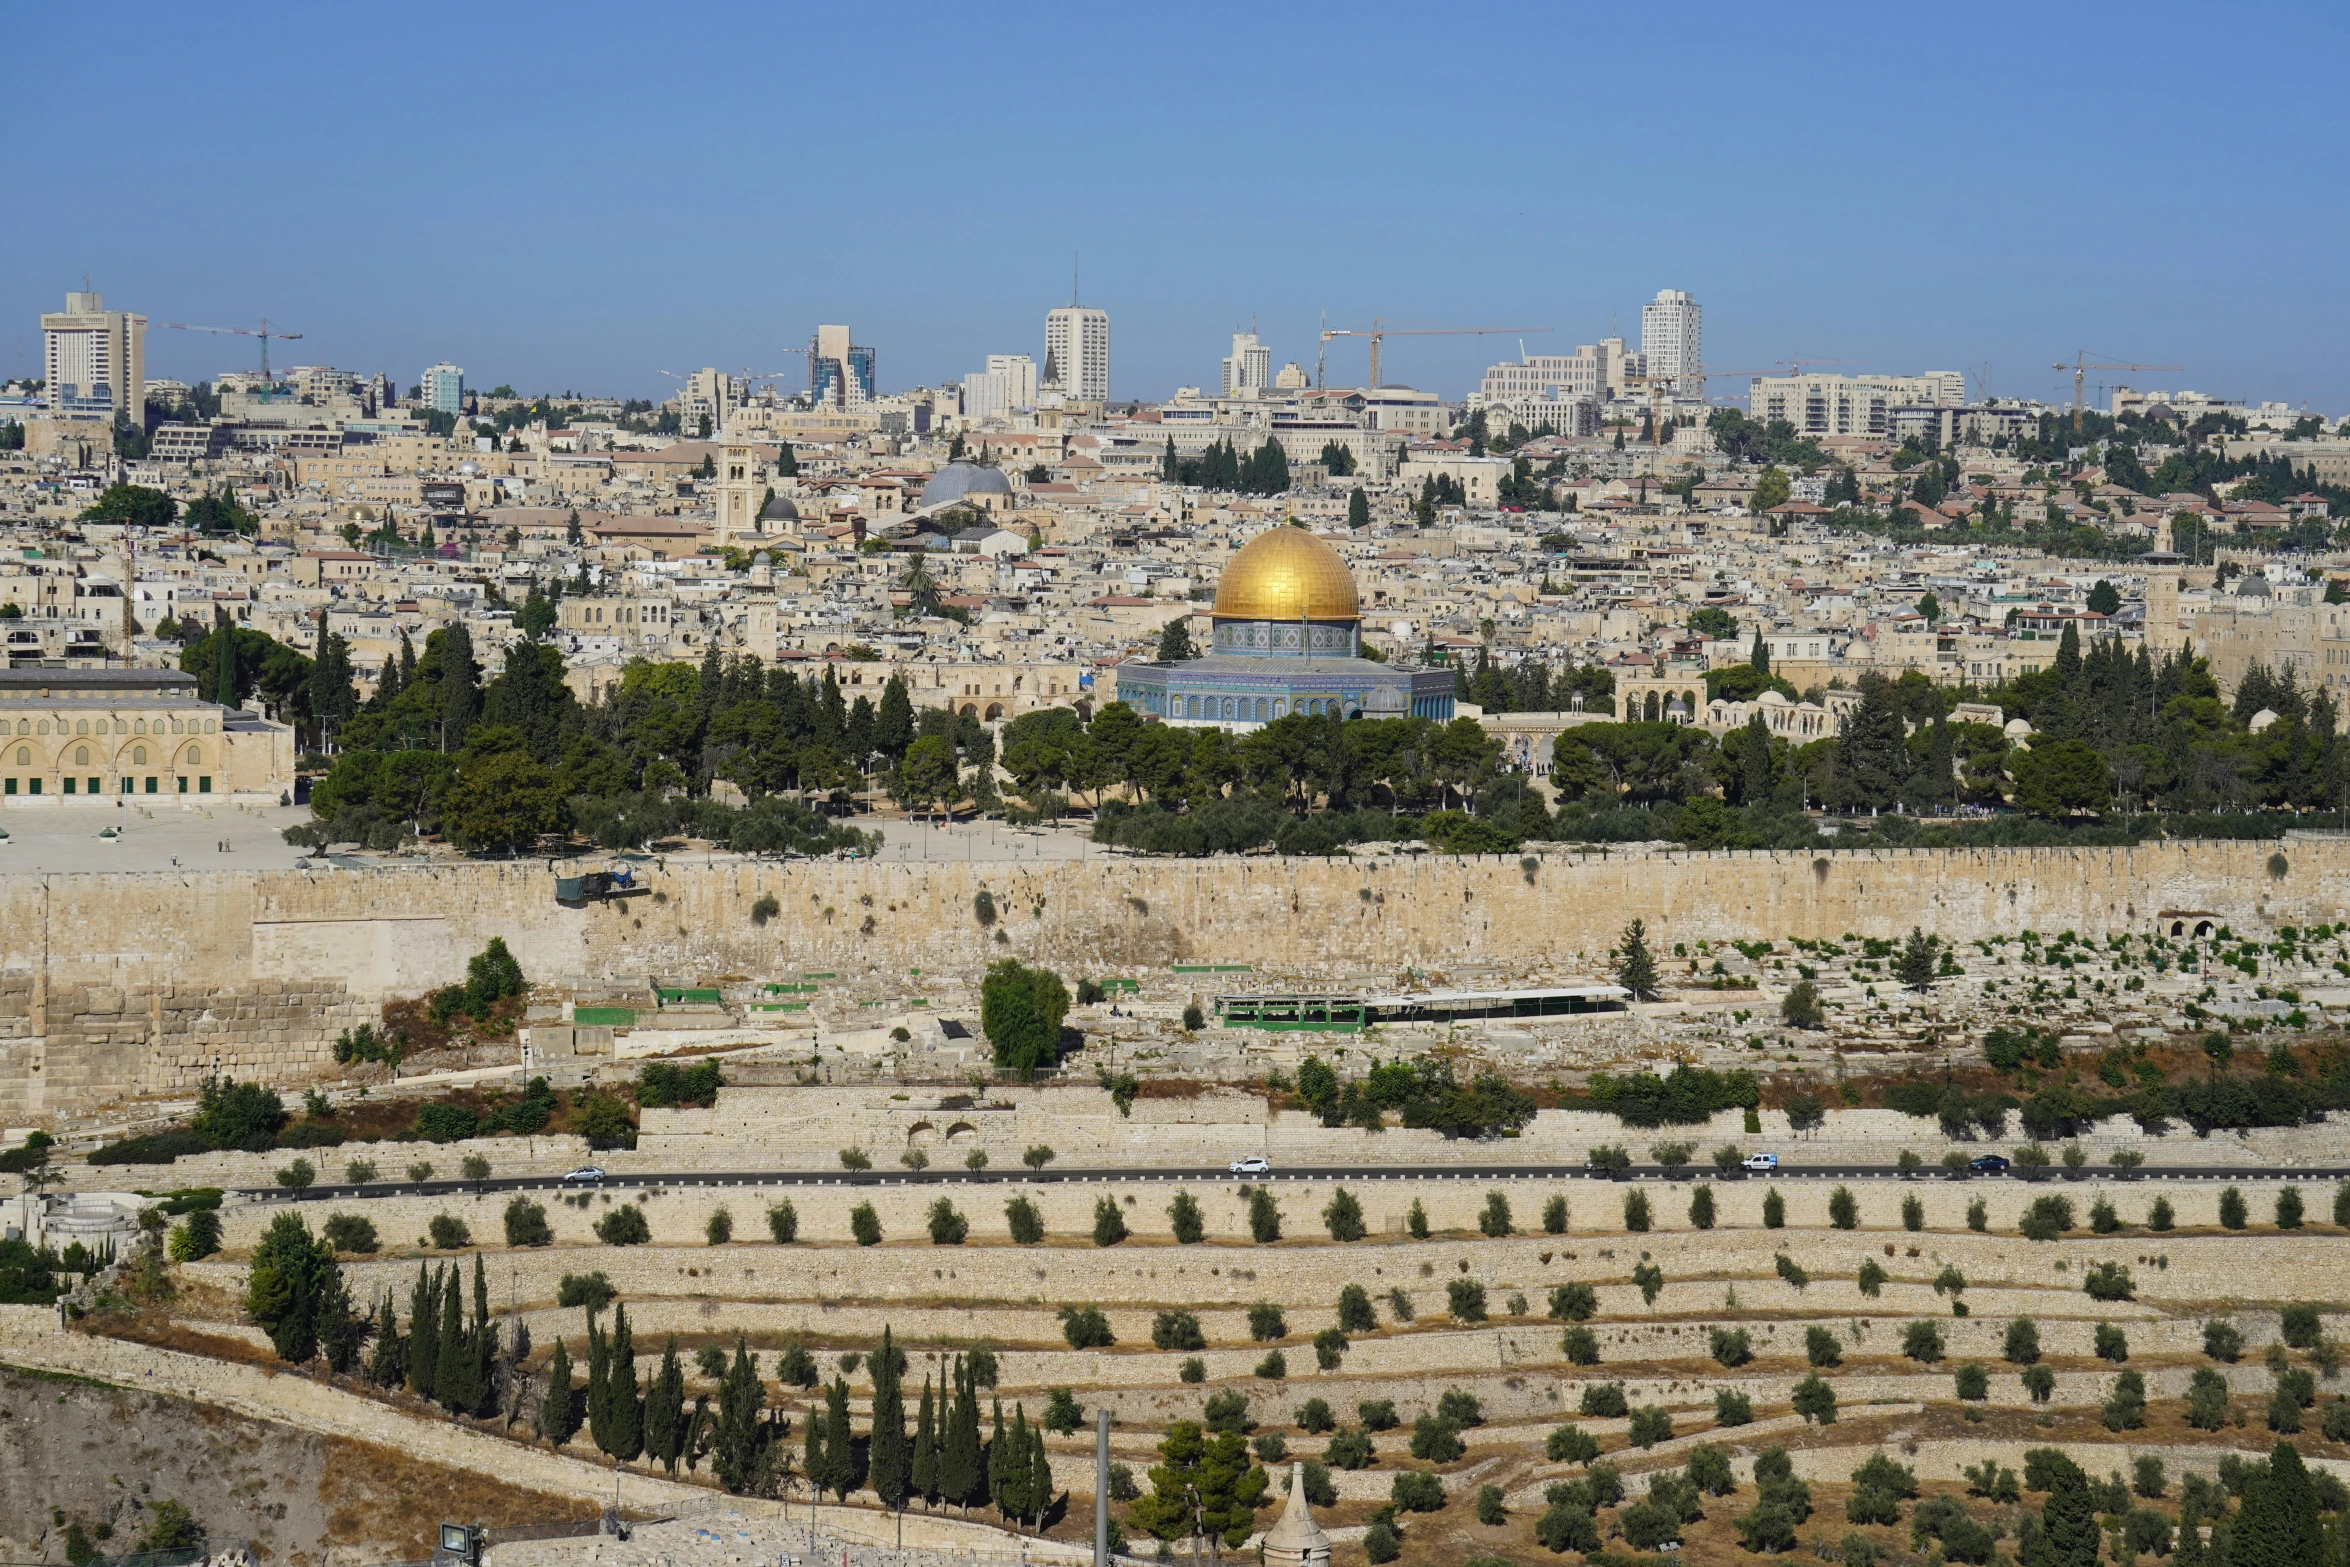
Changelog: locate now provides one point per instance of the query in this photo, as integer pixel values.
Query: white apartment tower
(95, 358)
(1019, 373)
(1248, 369)
(710, 394)
(1077, 353)
(1669, 342)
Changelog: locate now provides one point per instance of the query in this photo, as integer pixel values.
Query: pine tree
(1358, 509)
(886, 1455)
(559, 1413)
(1635, 969)
(1872, 755)
(424, 1317)
(1760, 658)
(1915, 967)
(922, 1478)
(625, 1411)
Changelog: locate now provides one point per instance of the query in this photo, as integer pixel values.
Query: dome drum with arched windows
(1287, 639)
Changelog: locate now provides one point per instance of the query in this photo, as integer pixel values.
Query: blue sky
(583, 196)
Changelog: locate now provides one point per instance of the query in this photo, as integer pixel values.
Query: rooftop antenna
(1074, 258)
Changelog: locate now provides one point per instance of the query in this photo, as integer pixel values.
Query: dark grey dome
(779, 509)
(958, 480)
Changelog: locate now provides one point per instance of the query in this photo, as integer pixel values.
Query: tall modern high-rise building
(708, 400)
(840, 374)
(95, 358)
(1669, 342)
(1249, 367)
(443, 389)
(1077, 353)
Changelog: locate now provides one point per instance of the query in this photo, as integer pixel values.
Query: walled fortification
(127, 983)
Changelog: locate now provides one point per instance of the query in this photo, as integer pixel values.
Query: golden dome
(1286, 573)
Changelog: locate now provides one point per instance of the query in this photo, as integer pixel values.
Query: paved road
(1364, 1172)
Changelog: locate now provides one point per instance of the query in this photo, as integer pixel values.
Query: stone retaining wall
(1596, 1210)
(95, 945)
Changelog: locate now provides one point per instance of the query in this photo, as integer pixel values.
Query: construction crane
(1380, 332)
(262, 332)
(2082, 362)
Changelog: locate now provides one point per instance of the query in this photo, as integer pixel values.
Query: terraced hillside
(1526, 1368)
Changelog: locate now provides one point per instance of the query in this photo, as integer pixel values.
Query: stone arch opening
(961, 1132)
(921, 1135)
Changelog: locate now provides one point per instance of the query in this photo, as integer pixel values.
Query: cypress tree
(922, 1478)
(460, 686)
(665, 1411)
(453, 1383)
(2068, 1522)
(1018, 1465)
(734, 1446)
(424, 1316)
(599, 1414)
(559, 1414)
(814, 1428)
(2279, 1525)
(626, 1411)
(388, 1367)
(484, 1345)
(886, 1456)
(2189, 1552)
(840, 1440)
(960, 1477)
(997, 1452)
(1040, 1475)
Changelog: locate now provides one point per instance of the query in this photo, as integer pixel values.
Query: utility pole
(1101, 1487)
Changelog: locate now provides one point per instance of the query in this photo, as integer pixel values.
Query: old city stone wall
(143, 982)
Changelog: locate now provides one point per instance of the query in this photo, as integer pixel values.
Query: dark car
(1989, 1164)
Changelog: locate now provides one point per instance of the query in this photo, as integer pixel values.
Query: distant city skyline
(2003, 216)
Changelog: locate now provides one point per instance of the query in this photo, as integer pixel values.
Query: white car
(1254, 1164)
(1764, 1162)
(585, 1175)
